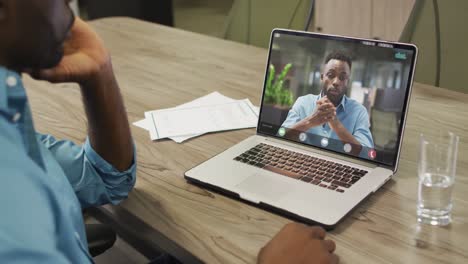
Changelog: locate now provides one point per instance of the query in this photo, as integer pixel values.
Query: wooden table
(159, 67)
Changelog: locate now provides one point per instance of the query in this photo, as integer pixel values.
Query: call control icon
(282, 132)
(324, 142)
(303, 137)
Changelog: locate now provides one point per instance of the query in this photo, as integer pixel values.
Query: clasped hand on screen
(324, 113)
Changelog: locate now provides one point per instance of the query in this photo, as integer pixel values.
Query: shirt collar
(343, 102)
(10, 86)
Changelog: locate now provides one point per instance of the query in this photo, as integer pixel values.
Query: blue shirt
(45, 183)
(351, 114)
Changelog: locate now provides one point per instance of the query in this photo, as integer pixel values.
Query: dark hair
(338, 55)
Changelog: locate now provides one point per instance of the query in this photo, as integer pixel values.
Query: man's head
(335, 76)
(32, 32)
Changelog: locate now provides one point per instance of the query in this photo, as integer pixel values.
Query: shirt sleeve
(94, 180)
(28, 228)
(361, 131)
(294, 115)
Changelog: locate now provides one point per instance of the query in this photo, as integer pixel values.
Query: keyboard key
(260, 165)
(283, 172)
(346, 180)
(306, 179)
(315, 182)
(342, 184)
(340, 190)
(332, 187)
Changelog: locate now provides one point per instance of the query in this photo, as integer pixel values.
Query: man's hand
(335, 124)
(87, 62)
(325, 112)
(297, 243)
(85, 57)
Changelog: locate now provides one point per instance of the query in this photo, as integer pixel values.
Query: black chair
(100, 238)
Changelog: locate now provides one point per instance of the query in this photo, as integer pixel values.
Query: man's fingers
(329, 245)
(334, 259)
(326, 107)
(318, 232)
(328, 114)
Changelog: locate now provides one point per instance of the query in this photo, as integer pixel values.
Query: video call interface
(346, 96)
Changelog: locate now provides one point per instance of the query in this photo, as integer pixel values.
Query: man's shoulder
(354, 106)
(23, 174)
(13, 157)
(9, 134)
(307, 99)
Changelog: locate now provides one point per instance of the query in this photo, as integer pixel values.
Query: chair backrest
(453, 24)
(251, 21)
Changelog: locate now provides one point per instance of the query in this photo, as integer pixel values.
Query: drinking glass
(437, 170)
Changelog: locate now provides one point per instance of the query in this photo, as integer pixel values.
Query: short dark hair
(338, 55)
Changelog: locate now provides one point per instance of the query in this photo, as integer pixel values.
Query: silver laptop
(330, 128)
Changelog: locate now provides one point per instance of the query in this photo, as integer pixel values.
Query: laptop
(330, 127)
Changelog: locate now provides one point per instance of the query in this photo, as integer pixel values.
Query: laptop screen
(344, 95)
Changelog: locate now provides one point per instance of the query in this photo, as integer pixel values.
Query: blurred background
(439, 28)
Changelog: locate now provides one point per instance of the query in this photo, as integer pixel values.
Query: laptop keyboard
(326, 174)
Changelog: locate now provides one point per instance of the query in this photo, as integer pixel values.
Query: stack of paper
(210, 113)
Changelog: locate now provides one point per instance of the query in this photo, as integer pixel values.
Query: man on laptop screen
(331, 112)
(343, 96)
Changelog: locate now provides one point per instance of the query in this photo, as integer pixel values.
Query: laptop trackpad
(262, 188)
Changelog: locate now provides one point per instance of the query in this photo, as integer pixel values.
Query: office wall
(251, 21)
(74, 7)
(159, 11)
(454, 36)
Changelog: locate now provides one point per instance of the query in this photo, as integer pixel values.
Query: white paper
(187, 121)
(210, 99)
(144, 123)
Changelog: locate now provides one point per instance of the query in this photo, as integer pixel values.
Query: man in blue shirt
(331, 114)
(46, 182)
